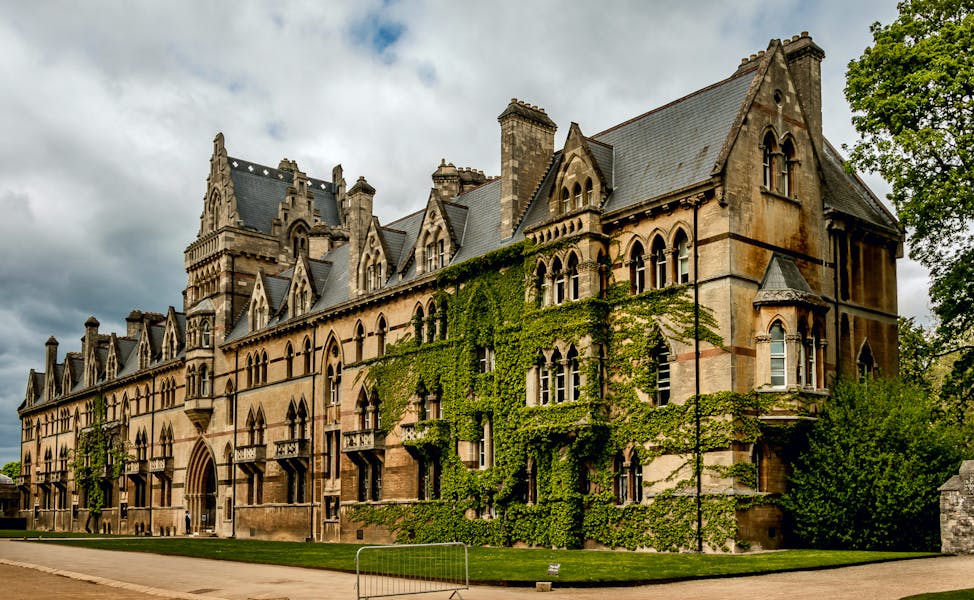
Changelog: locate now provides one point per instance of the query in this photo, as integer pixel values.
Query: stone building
(957, 512)
(514, 363)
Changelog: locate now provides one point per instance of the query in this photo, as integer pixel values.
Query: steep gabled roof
(847, 194)
(674, 146)
(259, 190)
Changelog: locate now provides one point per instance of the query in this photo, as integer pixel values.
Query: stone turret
(527, 145)
(805, 63)
(446, 181)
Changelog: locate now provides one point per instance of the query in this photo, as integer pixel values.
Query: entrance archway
(201, 489)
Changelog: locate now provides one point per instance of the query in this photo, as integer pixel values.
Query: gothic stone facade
(330, 377)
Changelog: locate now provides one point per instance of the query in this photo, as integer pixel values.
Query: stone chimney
(90, 349)
(133, 324)
(805, 64)
(527, 145)
(446, 181)
(338, 180)
(358, 218)
(50, 362)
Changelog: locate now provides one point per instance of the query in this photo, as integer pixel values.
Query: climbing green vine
(551, 480)
(98, 459)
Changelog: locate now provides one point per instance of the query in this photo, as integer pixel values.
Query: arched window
(362, 410)
(559, 274)
(544, 381)
(768, 151)
(777, 355)
(573, 278)
(292, 422)
(637, 269)
(334, 383)
(566, 202)
(431, 322)
(204, 382)
(621, 479)
(443, 318)
(662, 358)
(589, 201)
(250, 370)
(419, 319)
(577, 193)
(302, 427)
(559, 368)
(682, 258)
(206, 335)
(288, 361)
(308, 356)
(865, 363)
(541, 284)
(573, 375)
(359, 342)
(788, 168)
(380, 335)
(263, 367)
(299, 241)
(659, 263)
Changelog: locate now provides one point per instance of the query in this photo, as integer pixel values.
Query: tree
(98, 460)
(912, 94)
(869, 476)
(12, 469)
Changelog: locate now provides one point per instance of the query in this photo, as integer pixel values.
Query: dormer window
(589, 200)
(435, 254)
(258, 313)
(788, 168)
(577, 194)
(566, 202)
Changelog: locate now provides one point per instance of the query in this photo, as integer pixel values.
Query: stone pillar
(957, 512)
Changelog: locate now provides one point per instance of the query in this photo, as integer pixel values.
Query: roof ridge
(736, 75)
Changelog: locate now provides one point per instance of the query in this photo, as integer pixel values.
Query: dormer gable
(113, 359)
(259, 309)
(580, 182)
(172, 338)
(33, 391)
(145, 345)
(437, 241)
(302, 293)
(296, 214)
(373, 265)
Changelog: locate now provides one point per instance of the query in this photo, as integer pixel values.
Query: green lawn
(954, 595)
(508, 565)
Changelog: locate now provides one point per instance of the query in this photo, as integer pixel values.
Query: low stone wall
(957, 512)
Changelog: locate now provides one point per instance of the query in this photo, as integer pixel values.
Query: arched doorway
(201, 489)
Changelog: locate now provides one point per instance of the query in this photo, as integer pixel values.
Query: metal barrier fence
(406, 569)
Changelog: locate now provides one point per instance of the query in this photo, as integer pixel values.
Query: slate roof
(276, 289)
(783, 283)
(456, 219)
(260, 190)
(674, 146)
(848, 195)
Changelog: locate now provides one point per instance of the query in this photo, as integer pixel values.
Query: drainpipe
(233, 457)
(152, 443)
(835, 283)
(698, 457)
(311, 450)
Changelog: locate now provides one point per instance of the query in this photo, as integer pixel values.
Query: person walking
(187, 522)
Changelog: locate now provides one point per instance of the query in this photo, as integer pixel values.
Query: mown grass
(953, 595)
(507, 565)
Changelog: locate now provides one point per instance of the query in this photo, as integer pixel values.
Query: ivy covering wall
(571, 445)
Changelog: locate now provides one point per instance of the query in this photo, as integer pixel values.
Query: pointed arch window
(380, 336)
(559, 280)
(419, 319)
(682, 258)
(577, 194)
(308, 356)
(250, 370)
(359, 342)
(431, 322)
(588, 192)
(263, 366)
(768, 151)
(637, 269)
(573, 375)
(659, 263)
(558, 366)
(788, 164)
(662, 358)
(573, 277)
(334, 383)
(288, 361)
(206, 334)
(204, 382)
(566, 201)
(865, 363)
(544, 381)
(777, 355)
(541, 284)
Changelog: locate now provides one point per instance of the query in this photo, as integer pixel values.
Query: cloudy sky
(108, 111)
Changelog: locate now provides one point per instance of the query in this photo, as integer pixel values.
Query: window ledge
(792, 199)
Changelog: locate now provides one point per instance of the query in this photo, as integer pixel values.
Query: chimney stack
(50, 362)
(805, 63)
(358, 218)
(527, 145)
